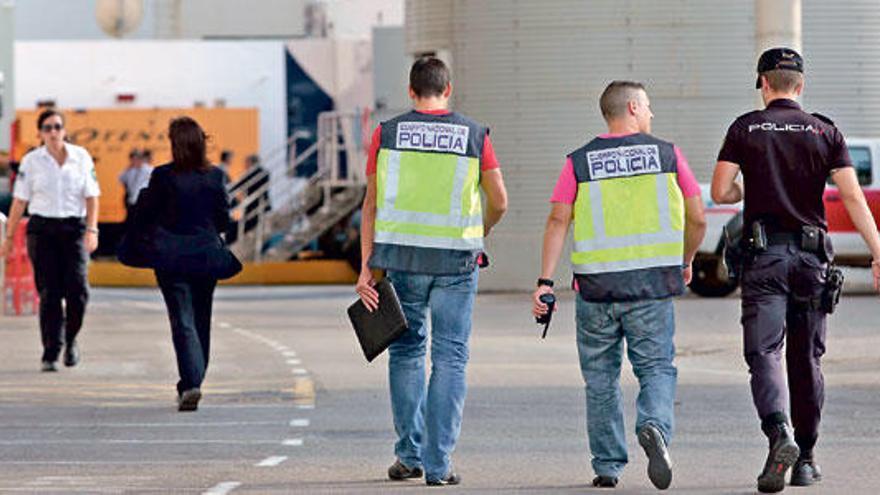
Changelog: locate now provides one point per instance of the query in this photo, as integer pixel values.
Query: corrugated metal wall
(534, 72)
(842, 63)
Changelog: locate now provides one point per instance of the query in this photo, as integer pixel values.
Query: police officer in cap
(786, 156)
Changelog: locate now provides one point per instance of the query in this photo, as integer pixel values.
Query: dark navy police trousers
(773, 284)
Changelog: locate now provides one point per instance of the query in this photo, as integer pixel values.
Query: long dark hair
(187, 145)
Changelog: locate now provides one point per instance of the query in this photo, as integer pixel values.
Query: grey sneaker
(398, 471)
(450, 479)
(189, 400)
(805, 473)
(659, 463)
(49, 366)
(783, 453)
(605, 482)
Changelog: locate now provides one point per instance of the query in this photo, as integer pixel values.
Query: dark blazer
(177, 223)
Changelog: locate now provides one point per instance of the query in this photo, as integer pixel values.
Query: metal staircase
(302, 209)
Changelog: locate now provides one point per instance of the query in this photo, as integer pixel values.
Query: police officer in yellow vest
(638, 221)
(423, 223)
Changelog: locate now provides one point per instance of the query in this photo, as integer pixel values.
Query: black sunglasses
(52, 127)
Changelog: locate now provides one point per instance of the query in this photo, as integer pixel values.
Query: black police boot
(398, 471)
(605, 482)
(71, 354)
(659, 464)
(783, 453)
(805, 472)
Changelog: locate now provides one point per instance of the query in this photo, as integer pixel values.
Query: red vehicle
(710, 275)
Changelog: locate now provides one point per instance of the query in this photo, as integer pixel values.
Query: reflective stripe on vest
(428, 200)
(628, 223)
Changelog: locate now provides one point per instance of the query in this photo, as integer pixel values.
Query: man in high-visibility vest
(638, 221)
(423, 222)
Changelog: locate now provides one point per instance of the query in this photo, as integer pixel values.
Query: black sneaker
(189, 400)
(805, 473)
(71, 354)
(659, 463)
(449, 479)
(604, 482)
(49, 366)
(398, 471)
(783, 453)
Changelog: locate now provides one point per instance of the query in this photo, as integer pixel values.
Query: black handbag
(200, 254)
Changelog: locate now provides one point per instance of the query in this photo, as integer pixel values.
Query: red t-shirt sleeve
(488, 161)
(566, 186)
(686, 180)
(373, 153)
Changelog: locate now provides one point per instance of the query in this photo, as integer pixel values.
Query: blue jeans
(428, 419)
(648, 327)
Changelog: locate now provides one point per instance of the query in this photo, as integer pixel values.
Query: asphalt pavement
(290, 405)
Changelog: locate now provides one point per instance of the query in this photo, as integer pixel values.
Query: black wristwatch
(545, 281)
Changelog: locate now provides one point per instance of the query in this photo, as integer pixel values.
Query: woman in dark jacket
(181, 214)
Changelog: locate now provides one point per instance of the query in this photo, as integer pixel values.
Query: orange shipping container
(110, 134)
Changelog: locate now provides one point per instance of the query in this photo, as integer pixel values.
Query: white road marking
(300, 371)
(302, 406)
(272, 461)
(136, 442)
(222, 488)
(223, 324)
(293, 442)
(294, 361)
(299, 423)
(289, 354)
(220, 424)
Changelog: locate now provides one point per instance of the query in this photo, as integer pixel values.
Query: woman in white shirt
(58, 186)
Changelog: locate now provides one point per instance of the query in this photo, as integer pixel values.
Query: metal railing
(338, 135)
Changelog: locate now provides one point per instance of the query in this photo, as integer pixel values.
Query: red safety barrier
(19, 292)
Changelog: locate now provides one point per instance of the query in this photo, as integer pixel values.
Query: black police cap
(779, 58)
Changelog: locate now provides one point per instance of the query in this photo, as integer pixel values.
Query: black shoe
(189, 400)
(49, 366)
(805, 473)
(398, 471)
(71, 354)
(604, 482)
(783, 453)
(659, 464)
(449, 479)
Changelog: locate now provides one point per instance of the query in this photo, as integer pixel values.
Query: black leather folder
(377, 330)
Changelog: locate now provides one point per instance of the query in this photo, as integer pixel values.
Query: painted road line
(299, 423)
(289, 354)
(223, 324)
(293, 442)
(301, 406)
(300, 371)
(220, 424)
(222, 488)
(272, 461)
(294, 361)
(137, 442)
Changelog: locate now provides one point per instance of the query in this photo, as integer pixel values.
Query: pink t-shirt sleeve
(686, 180)
(566, 186)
